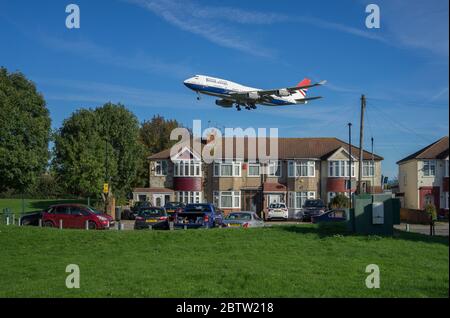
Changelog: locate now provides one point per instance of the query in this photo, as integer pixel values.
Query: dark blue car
(199, 215)
(337, 215)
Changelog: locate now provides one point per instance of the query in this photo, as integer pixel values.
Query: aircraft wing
(260, 94)
(288, 89)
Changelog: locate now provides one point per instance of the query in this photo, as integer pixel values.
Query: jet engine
(224, 103)
(283, 92)
(252, 95)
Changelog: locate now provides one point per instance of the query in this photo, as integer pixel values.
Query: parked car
(243, 219)
(75, 216)
(130, 214)
(172, 208)
(277, 211)
(199, 215)
(155, 217)
(337, 215)
(31, 218)
(312, 208)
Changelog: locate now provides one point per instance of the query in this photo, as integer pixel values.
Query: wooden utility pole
(350, 161)
(361, 143)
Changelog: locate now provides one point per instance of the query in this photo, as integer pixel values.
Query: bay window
(189, 196)
(187, 168)
(340, 168)
(228, 199)
(297, 199)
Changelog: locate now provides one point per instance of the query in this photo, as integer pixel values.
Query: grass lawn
(279, 261)
(32, 204)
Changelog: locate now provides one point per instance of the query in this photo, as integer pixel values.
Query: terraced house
(307, 168)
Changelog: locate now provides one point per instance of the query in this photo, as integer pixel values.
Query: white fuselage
(223, 88)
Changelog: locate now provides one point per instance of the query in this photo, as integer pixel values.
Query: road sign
(105, 188)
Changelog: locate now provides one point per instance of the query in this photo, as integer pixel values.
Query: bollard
(40, 222)
(407, 227)
(60, 224)
(150, 227)
(7, 220)
(185, 227)
(86, 226)
(19, 221)
(121, 226)
(171, 226)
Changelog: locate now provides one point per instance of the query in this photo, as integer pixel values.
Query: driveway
(441, 228)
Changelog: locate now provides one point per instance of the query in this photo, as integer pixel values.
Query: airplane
(234, 94)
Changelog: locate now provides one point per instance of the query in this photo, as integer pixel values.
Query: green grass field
(32, 204)
(280, 261)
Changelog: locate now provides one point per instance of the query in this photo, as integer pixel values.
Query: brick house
(423, 177)
(307, 168)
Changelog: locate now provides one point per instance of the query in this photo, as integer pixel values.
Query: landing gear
(198, 96)
(238, 107)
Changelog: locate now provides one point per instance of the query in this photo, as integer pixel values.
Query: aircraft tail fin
(304, 82)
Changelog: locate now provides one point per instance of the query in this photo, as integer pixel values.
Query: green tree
(24, 132)
(340, 201)
(81, 145)
(155, 137)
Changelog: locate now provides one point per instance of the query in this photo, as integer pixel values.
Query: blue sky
(138, 52)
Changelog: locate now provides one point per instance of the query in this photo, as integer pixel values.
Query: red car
(75, 216)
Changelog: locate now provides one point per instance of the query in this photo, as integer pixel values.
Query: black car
(312, 208)
(155, 217)
(130, 214)
(31, 218)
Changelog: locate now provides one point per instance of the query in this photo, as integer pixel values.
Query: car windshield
(277, 206)
(94, 210)
(151, 212)
(313, 203)
(173, 205)
(239, 216)
(197, 208)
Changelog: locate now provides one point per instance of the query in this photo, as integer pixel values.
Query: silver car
(243, 219)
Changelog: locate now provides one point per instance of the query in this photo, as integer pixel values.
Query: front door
(250, 201)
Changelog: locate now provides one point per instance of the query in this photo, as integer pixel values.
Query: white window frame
(368, 168)
(429, 164)
(235, 199)
(189, 196)
(302, 196)
(295, 172)
(270, 168)
(252, 164)
(194, 168)
(163, 166)
(236, 169)
(340, 166)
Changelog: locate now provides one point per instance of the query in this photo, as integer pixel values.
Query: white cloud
(205, 22)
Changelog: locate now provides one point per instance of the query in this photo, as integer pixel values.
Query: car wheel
(92, 225)
(48, 224)
(25, 222)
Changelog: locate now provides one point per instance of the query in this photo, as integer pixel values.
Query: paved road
(441, 228)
